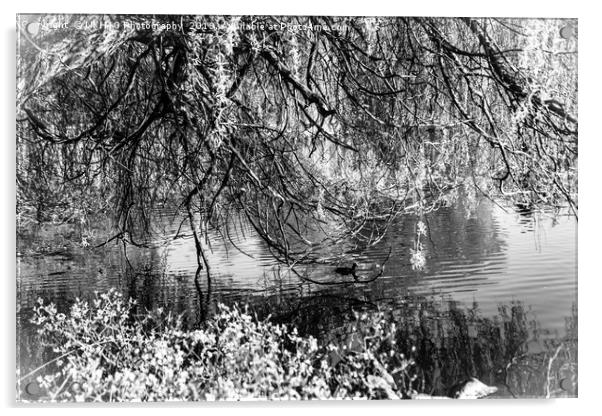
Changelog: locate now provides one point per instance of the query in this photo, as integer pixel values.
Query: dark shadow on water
(450, 343)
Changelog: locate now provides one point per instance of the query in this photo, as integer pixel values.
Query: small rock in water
(471, 389)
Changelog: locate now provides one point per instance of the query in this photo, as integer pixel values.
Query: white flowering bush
(107, 353)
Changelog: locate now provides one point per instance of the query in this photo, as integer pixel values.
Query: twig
(56, 359)
(550, 368)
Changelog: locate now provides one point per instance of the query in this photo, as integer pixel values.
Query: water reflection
(451, 342)
(498, 289)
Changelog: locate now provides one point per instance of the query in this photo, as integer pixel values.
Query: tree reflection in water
(450, 343)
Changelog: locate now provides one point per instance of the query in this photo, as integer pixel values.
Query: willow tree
(317, 129)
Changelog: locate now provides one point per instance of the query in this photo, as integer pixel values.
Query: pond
(496, 300)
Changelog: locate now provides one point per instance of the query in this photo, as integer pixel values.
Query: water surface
(492, 269)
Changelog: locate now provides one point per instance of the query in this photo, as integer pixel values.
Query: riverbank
(109, 350)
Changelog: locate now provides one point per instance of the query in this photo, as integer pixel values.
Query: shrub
(107, 353)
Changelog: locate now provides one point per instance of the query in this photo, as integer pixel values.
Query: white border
(590, 116)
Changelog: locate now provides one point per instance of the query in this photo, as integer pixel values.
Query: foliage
(315, 128)
(107, 353)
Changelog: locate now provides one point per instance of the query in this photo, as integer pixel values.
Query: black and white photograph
(295, 207)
